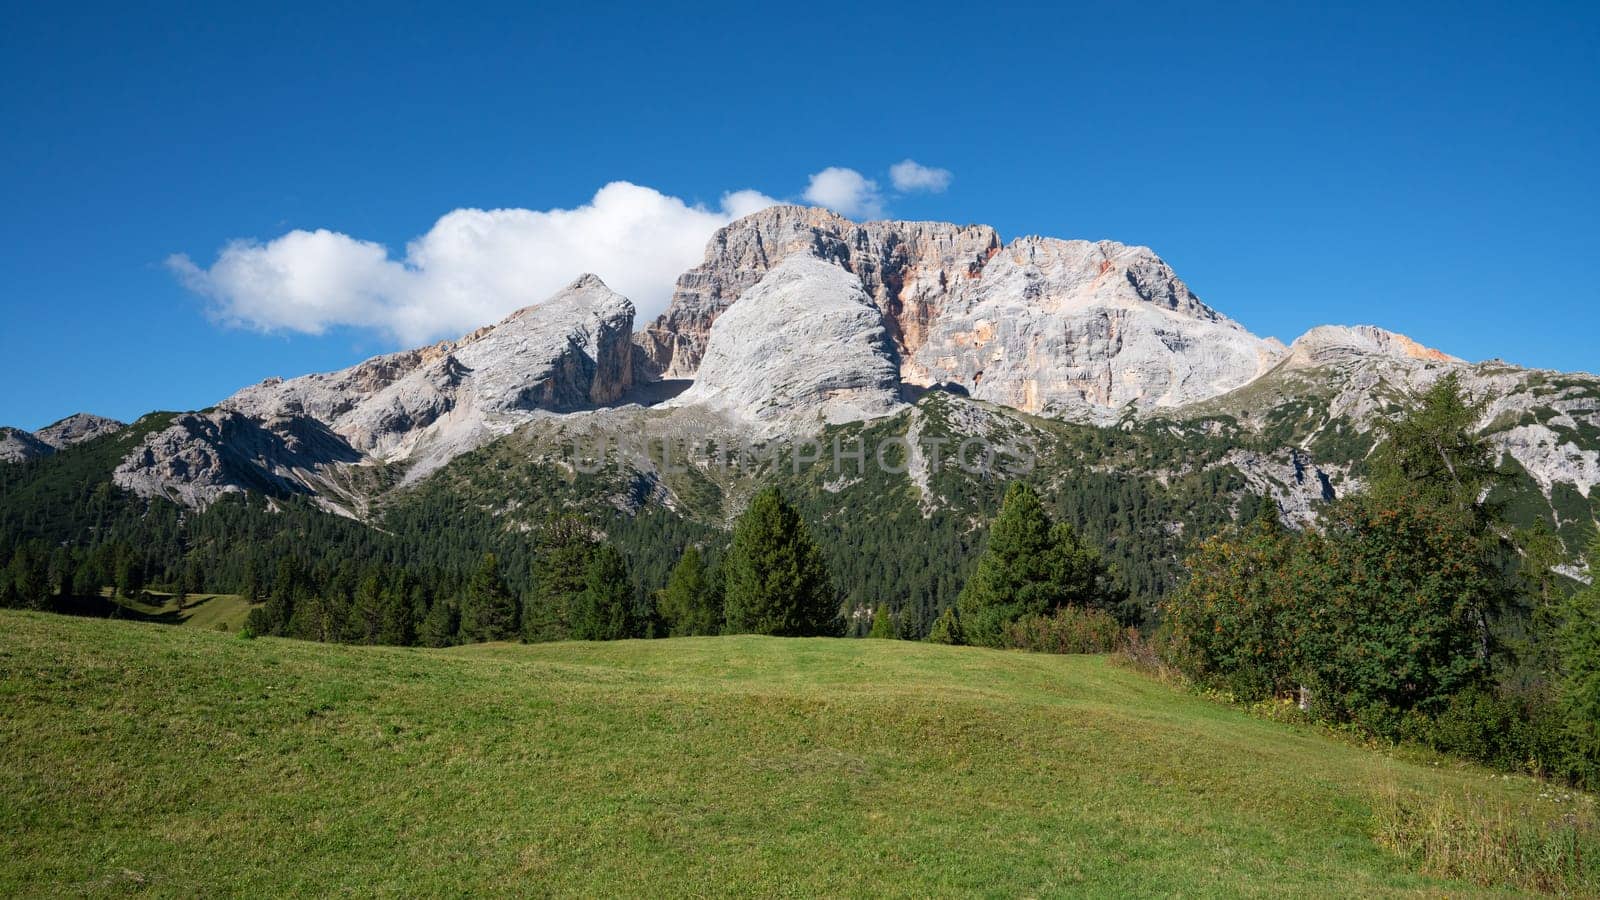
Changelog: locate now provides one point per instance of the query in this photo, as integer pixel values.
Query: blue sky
(1430, 169)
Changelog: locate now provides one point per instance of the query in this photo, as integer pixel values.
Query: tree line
(314, 577)
(1412, 611)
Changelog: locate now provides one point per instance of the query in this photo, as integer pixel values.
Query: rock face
(1063, 327)
(17, 446)
(202, 456)
(77, 428)
(1333, 344)
(804, 346)
(906, 268)
(570, 352)
(1084, 330)
(1338, 377)
(1288, 477)
(419, 407)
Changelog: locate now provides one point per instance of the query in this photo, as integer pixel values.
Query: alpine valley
(1142, 415)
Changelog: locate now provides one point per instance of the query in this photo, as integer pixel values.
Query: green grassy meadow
(141, 758)
(219, 612)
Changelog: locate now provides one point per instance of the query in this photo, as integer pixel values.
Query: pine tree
(1580, 663)
(883, 624)
(440, 626)
(560, 573)
(604, 609)
(366, 613)
(1030, 567)
(397, 625)
(689, 603)
(775, 580)
(130, 573)
(30, 572)
(947, 629)
(488, 611)
(1432, 451)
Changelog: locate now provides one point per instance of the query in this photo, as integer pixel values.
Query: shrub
(1396, 599)
(1233, 621)
(1069, 630)
(947, 629)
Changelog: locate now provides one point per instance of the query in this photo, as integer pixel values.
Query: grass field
(218, 612)
(185, 761)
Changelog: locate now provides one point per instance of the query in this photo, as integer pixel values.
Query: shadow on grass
(106, 608)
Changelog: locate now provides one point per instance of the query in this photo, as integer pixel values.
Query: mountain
(17, 445)
(906, 268)
(418, 408)
(1069, 328)
(803, 344)
(942, 360)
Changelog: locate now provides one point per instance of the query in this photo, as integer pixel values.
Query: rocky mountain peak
(1330, 344)
(1080, 328)
(1060, 275)
(418, 407)
(804, 346)
(1085, 329)
(77, 428)
(907, 269)
(17, 445)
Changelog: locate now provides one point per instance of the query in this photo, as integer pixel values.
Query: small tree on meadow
(883, 624)
(560, 573)
(947, 629)
(439, 627)
(775, 579)
(1030, 567)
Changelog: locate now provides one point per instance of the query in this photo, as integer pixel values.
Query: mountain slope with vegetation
(180, 761)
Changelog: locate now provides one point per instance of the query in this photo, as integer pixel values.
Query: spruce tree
(604, 609)
(883, 624)
(396, 626)
(1432, 451)
(488, 611)
(947, 629)
(1580, 664)
(689, 603)
(560, 572)
(775, 579)
(440, 626)
(1032, 567)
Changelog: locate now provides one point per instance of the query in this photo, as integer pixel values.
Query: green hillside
(186, 761)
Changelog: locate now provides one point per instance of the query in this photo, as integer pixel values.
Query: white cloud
(471, 268)
(475, 266)
(846, 192)
(909, 175)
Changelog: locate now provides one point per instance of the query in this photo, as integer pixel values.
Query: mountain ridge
(798, 319)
